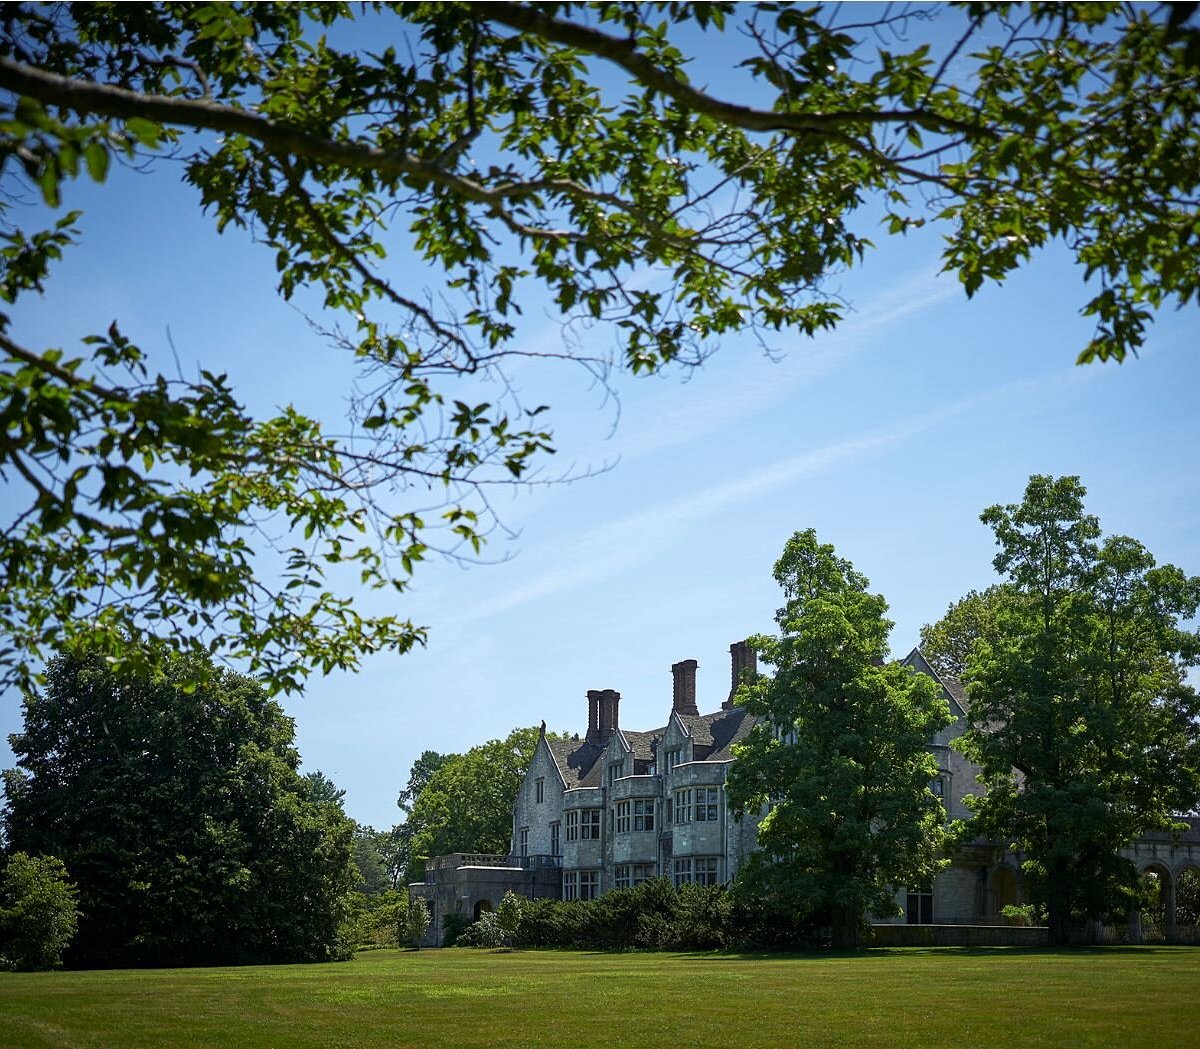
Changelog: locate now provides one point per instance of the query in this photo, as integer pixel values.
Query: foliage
(509, 916)
(1081, 717)
(181, 815)
(322, 790)
(39, 912)
(416, 922)
(529, 156)
(650, 916)
(381, 919)
(1187, 898)
(369, 847)
(838, 763)
(466, 804)
(485, 931)
(418, 776)
(1024, 913)
(948, 643)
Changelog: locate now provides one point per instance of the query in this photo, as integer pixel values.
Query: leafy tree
(322, 790)
(416, 922)
(839, 762)
(947, 644)
(39, 912)
(508, 917)
(419, 775)
(467, 804)
(529, 155)
(181, 815)
(1187, 897)
(373, 876)
(1081, 718)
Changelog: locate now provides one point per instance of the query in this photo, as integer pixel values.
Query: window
(589, 824)
(920, 905)
(524, 841)
(702, 870)
(555, 838)
(623, 817)
(670, 811)
(628, 875)
(570, 885)
(635, 815)
(589, 885)
(643, 814)
(614, 773)
(706, 805)
(671, 759)
(539, 785)
(683, 806)
(573, 826)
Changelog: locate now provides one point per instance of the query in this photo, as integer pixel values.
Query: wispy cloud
(625, 542)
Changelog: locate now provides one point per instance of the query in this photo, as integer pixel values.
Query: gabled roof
(579, 762)
(959, 701)
(576, 760)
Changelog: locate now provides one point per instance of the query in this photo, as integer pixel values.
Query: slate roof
(712, 734)
(576, 759)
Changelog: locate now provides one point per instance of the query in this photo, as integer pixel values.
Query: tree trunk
(845, 928)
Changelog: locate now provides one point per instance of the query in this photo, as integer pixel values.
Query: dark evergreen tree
(181, 816)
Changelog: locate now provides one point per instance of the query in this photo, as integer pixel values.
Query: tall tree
(466, 806)
(181, 816)
(1082, 720)
(531, 156)
(948, 643)
(419, 775)
(839, 762)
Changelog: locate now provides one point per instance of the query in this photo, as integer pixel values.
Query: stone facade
(617, 807)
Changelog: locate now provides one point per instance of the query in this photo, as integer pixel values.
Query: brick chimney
(684, 699)
(603, 708)
(742, 658)
(610, 702)
(593, 732)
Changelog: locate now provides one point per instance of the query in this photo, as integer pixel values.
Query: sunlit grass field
(1147, 996)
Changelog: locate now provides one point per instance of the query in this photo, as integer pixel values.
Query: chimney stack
(603, 708)
(593, 732)
(610, 700)
(742, 658)
(684, 700)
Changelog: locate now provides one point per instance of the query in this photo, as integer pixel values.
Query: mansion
(618, 806)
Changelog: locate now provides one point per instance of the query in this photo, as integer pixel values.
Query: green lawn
(461, 998)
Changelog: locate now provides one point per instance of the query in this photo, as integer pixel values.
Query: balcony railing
(437, 865)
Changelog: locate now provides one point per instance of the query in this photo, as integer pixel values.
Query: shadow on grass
(882, 953)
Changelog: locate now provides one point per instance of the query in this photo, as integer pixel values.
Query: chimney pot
(743, 658)
(684, 698)
(593, 731)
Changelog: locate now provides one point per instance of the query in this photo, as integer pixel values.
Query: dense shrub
(38, 912)
(652, 916)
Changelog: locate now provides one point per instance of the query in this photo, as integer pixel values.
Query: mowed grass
(461, 998)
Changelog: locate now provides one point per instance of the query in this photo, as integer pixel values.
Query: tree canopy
(1082, 721)
(567, 155)
(839, 762)
(467, 803)
(181, 818)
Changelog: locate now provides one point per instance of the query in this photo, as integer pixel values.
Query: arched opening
(1006, 890)
(481, 907)
(1157, 903)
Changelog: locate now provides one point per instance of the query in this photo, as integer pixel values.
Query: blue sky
(888, 436)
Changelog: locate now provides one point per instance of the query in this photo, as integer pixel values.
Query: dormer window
(614, 773)
(670, 759)
(539, 789)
